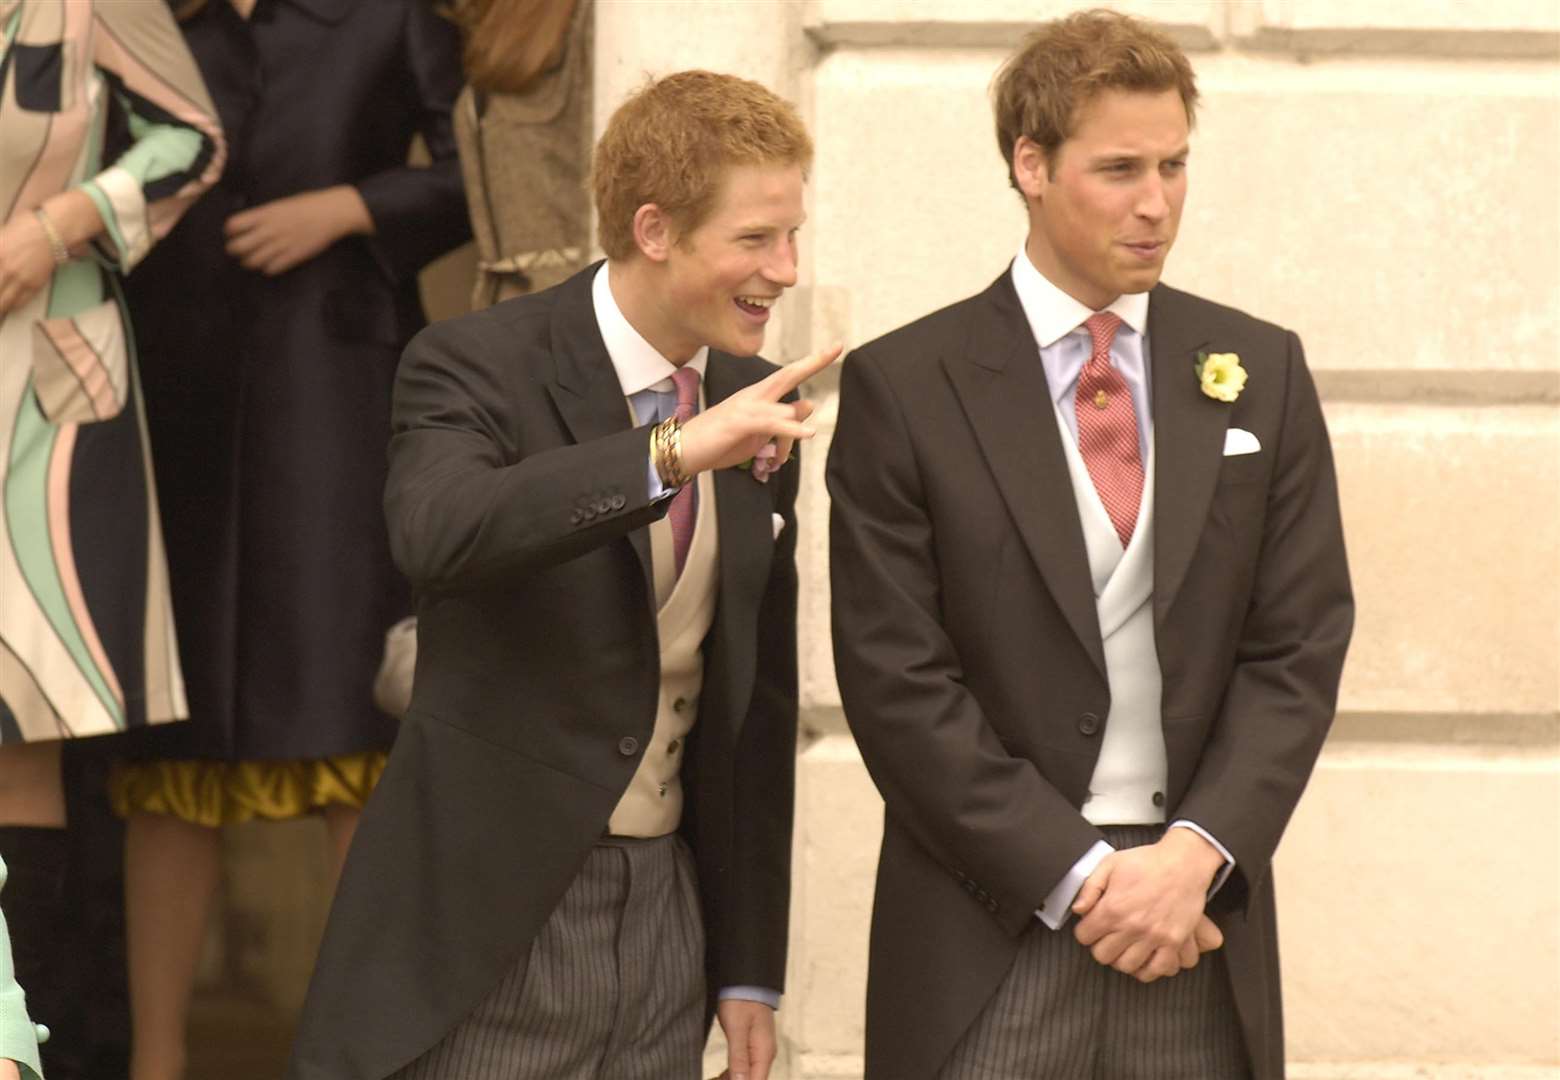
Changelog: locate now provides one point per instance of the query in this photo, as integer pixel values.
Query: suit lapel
(1001, 385)
(1189, 431)
(587, 392)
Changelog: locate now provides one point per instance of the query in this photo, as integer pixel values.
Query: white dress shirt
(1056, 320)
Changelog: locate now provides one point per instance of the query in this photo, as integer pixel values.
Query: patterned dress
(86, 629)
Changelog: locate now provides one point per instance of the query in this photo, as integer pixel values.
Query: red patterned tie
(686, 502)
(1107, 430)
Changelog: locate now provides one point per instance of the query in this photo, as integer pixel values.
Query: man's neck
(1041, 259)
(635, 286)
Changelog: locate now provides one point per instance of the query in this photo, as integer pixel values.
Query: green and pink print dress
(102, 97)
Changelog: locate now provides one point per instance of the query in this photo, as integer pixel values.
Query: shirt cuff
(1229, 860)
(658, 490)
(1057, 908)
(761, 994)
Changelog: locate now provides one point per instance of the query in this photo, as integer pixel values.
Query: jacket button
(576, 517)
(673, 746)
(628, 746)
(618, 502)
(1159, 798)
(679, 705)
(1088, 723)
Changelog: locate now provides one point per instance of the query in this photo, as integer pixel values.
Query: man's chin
(740, 343)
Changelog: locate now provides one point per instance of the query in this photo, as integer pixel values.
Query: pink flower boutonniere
(762, 465)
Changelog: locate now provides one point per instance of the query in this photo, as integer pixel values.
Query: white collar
(639, 366)
(1053, 314)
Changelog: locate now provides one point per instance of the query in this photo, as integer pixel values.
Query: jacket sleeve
(1283, 690)
(985, 815)
(419, 211)
(464, 508)
(18, 1036)
(177, 149)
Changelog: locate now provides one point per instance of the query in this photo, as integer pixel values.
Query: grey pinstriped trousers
(613, 986)
(1059, 1015)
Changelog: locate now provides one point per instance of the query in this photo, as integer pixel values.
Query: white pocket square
(1240, 441)
(778, 522)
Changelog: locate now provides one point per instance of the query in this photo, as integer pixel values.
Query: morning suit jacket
(969, 654)
(517, 504)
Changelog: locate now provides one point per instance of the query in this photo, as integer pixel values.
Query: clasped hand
(274, 237)
(737, 428)
(1141, 911)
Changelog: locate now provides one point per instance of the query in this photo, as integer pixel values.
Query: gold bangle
(57, 246)
(666, 452)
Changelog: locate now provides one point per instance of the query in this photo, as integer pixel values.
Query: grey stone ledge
(951, 34)
(1433, 43)
(1301, 44)
(1538, 731)
(1531, 731)
(1420, 387)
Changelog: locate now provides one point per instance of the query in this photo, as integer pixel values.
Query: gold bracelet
(57, 246)
(666, 452)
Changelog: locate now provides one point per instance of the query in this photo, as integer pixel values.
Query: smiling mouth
(756, 307)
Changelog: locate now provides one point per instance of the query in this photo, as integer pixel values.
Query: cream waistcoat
(685, 607)
(1131, 768)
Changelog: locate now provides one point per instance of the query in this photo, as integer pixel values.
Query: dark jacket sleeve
(463, 505)
(1283, 690)
(987, 816)
(419, 211)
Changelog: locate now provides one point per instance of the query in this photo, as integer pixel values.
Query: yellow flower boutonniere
(1221, 375)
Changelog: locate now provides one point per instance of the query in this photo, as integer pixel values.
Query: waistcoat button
(1088, 723)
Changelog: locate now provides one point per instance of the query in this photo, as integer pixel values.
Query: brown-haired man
(1090, 609)
(582, 838)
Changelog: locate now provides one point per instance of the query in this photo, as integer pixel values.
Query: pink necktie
(685, 503)
(1107, 430)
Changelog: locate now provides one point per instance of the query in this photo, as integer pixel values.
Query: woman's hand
(26, 264)
(276, 236)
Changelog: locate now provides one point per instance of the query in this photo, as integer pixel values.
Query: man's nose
(1152, 203)
(781, 269)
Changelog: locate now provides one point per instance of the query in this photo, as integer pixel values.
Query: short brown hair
(671, 142)
(1066, 63)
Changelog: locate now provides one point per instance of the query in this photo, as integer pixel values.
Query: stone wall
(1379, 175)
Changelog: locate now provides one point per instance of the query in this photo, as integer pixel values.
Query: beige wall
(1379, 175)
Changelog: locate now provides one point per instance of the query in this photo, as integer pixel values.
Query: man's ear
(1030, 168)
(653, 232)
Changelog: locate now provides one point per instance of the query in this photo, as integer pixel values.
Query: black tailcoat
(518, 505)
(970, 660)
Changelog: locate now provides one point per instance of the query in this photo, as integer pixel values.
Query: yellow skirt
(213, 793)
